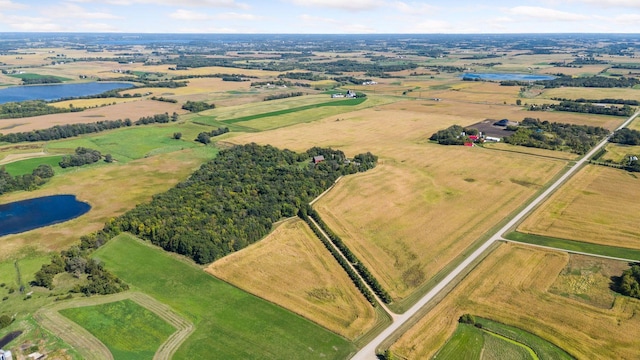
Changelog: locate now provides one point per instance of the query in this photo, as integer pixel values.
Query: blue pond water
(505, 76)
(25, 215)
(57, 91)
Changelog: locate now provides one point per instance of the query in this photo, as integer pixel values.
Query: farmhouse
(317, 159)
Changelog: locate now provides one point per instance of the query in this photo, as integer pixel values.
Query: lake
(507, 76)
(57, 91)
(25, 215)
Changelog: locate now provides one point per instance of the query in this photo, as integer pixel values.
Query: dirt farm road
(368, 352)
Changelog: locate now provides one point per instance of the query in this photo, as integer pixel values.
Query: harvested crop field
(598, 205)
(132, 110)
(573, 93)
(512, 286)
(425, 203)
(320, 290)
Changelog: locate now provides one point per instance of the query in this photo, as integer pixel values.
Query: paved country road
(369, 351)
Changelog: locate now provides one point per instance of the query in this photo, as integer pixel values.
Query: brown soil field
(320, 290)
(425, 203)
(131, 110)
(512, 286)
(102, 187)
(598, 205)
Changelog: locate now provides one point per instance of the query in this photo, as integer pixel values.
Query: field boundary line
(569, 251)
(326, 191)
(91, 347)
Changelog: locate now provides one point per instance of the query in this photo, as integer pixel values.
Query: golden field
(111, 190)
(293, 269)
(598, 205)
(619, 152)
(592, 93)
(425, 203)
(512, 286)
(132, 110)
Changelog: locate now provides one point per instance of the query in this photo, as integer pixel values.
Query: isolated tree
(177, 135)
(518, 102)
(108, 158)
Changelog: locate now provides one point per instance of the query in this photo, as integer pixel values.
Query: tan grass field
(598, 205)
(89, 103)
(291, 268)
(512, 286)
(110, 190)
(585, 70)
(203, 70)
(201, 86)
(532, 151)
(132, 110)
(592, 93)
(425, 203)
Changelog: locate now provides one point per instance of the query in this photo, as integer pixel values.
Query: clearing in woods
(598, 205)
(320, 290)
(516, 277)
(212, 305)
(425, 203)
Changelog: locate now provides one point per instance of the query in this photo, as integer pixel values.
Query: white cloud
(188, 15)
(546, 14)
(309, 19)
(611, 3)
(414, 8)
(75, 11)
(194, 3)
(433, 26)
(28, 23)
(351, 5)
(625, 19)
(9, 5)
(97, 27)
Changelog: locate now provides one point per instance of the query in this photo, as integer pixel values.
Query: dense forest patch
(233, 200)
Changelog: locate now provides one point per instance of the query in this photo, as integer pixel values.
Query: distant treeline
(283, 95)
(453, 135)
(576, 138)
(350, 80)
(164, 99)
(601, 101)
(217, 75)
(72, 130)
(30, 108)
(280, 83)
(41, 80)
(38, 176)
(302, 76)
(205, 137)
(586, 108)
(233, 200)
(568, 81)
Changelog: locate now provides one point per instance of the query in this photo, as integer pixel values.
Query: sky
(321, 16)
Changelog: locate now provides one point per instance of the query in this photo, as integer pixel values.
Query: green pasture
(572, 245)
(134, 142)
(31, 76)
(127, 329)
(230, 323)
(465, 343)
(497, 341)
(26, 166)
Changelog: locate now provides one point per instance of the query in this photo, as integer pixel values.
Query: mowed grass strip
(230, 323)
(511, 286)
(320, 290)
(26, 166)
(129, 330)
(599, 205)
(572, 245)
(466, 342)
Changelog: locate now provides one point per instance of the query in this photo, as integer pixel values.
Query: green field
(230, 323)
(129, 330)
(465, 343)
(26, 166)
(132, 143)
(30, 76)
(497, 341)
(572, 245)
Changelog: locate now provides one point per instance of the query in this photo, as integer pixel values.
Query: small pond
(25, 215)
(57, 91)
(507, 76)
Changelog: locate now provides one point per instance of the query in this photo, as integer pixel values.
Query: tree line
(348, 254)
(82, 156)
(588, 81)
(233, 200)
(14, 110)
(587, 108)
(626, 136)
(205, 136)
(197, 106)
(28, 182)
(601, 101)
(73, 130)
(283, 96)
(453, 135)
